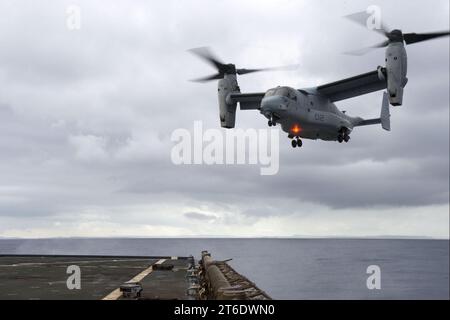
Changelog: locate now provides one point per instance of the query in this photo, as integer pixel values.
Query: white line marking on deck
(26, 264)
(116, 294)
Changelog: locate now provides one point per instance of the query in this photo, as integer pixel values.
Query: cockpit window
(271, 92)
(282, 91)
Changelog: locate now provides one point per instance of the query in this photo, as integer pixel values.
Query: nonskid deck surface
(45, 277)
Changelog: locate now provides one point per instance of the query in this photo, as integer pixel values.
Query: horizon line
(377, 237)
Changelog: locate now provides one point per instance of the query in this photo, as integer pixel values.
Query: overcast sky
(86, 118)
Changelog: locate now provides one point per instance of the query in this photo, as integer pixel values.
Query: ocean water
(292, 268)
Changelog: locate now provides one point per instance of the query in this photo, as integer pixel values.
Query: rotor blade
(206, 54)
(418, 37)
(362, 18)
(281, 68)
(216, 76)
(363, 51)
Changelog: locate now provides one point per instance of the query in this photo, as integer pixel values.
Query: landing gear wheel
(340, 139)
(270, 123)
(294, 143)
(299, 143)
(346, 138)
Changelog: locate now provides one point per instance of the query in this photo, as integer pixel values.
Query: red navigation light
(296, 129)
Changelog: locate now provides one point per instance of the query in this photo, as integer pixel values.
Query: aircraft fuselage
(305, 114)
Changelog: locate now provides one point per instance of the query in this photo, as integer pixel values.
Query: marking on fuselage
(319, 117)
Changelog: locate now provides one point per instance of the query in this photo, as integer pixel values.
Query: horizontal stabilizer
(368, 122)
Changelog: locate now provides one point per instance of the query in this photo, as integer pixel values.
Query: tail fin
(384, 119)
(385, 116)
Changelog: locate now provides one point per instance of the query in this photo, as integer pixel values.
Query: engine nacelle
(227, 108)
(396, 70)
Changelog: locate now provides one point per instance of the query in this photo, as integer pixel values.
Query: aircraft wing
(248, 101)
(354, 86)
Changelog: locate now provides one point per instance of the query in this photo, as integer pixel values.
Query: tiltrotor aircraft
(310, 113)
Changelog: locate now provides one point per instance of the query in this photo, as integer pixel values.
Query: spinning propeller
(223, 69)
(392, 36)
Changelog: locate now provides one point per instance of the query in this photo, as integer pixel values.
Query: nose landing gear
(296, 142)
(272, 122)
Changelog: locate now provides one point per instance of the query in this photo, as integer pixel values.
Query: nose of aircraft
(273, 103)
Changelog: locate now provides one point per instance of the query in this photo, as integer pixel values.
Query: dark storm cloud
(86, 116)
